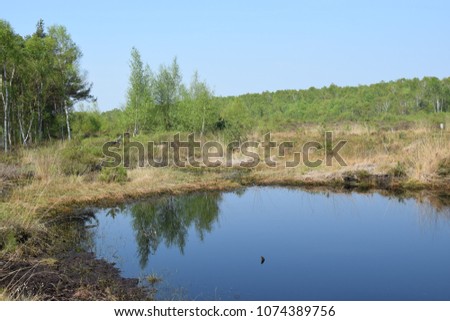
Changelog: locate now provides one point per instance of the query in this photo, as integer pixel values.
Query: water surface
(317, 245)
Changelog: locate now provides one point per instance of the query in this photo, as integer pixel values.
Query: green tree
(238, 120)
(38, 76)
(87, 121)
(139, 99)
(10, 54)
(70, 83)
(40, 81)
(167, 91)
(196, 111)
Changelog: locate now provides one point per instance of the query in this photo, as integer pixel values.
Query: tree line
(40, 82)
(404, 99)
(161, 102)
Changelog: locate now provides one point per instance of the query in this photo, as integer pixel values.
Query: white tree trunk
(19, 119)
(69, 137)
(5, 124)
(5, 109)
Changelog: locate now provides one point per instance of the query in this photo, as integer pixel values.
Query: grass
(3, 295)
(46, 183)
(444, 167)
(416, 155)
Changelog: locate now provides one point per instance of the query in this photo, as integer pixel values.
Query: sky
(249, 46)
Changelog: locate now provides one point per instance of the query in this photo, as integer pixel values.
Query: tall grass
(421, 152)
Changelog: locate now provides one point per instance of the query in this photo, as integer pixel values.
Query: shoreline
(42, 250)
(357, 181)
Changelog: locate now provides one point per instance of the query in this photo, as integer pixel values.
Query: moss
(12, 237)
(8, 242)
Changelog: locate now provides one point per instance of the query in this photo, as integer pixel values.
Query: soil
(68, 276)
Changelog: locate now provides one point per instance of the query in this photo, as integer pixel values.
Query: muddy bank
(52, 265)
(67, 276)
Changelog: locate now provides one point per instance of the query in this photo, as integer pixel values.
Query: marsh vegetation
(53, 133)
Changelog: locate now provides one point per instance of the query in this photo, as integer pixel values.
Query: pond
(316, 245)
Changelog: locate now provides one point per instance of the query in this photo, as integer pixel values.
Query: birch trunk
(67, 121)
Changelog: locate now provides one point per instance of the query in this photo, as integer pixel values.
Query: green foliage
(86, 123)
(13, 236)
(113, 174)
(139, 96)
(8, 241)
(193, 108)
(398, 171)
(392, 102)
(166, 91)
(196, 112)
(114, 122)
(79, 158)
(41, 82)
(444, 167)
(238, 121)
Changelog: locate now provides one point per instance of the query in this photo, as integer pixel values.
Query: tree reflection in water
(168, 218)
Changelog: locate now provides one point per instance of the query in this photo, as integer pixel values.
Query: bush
(86, 124)
(237, 121)
(444, 167)
(79, 159)
(398, 171)
(113, 174)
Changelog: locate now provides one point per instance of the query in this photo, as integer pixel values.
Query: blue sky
(250, 46)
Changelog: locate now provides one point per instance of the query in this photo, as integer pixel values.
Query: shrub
(398, 171)
(86, 124)
(113, 174)
(444, 167)
(78, 159)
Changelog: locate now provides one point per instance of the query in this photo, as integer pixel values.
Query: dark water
(317, 246)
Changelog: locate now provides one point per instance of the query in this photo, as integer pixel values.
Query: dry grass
(3, 296)
(45, 161)
(58, 194)
(422, 153)
(418, 152)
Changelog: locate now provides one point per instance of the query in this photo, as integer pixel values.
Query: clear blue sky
(250, 46)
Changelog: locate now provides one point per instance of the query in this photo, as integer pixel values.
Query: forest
(41, 80)
(42, 85)
(162, 102)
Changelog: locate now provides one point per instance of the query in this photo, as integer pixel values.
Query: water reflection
(168, 218)
(318, 245)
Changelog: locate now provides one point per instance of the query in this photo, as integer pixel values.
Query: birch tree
(70, 84)
(167, 91)
(139, 100)
(9, 55)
